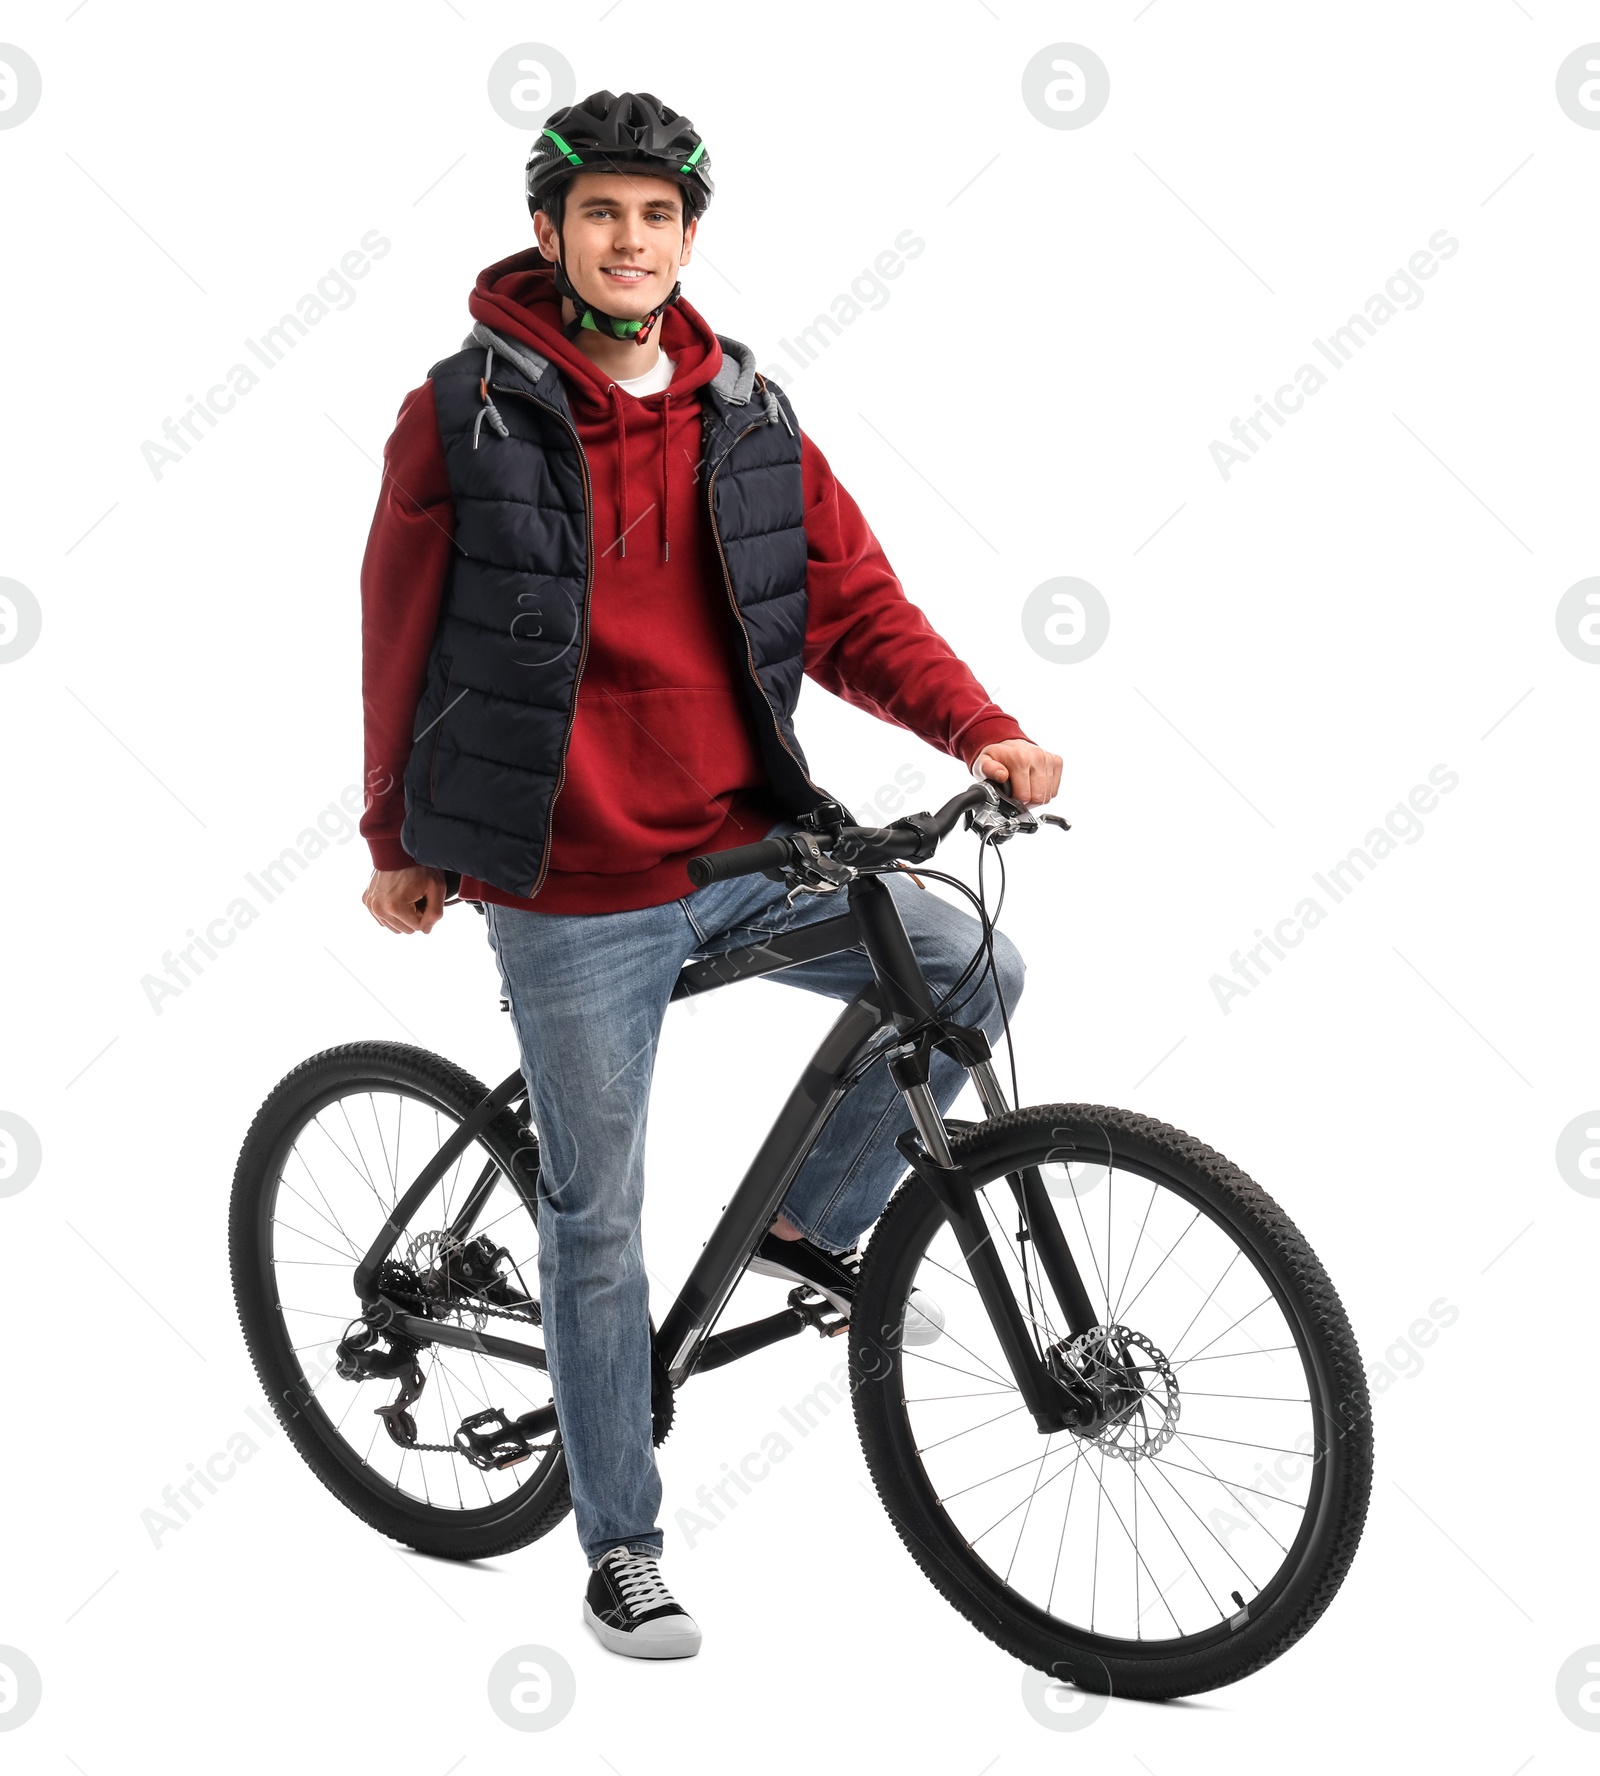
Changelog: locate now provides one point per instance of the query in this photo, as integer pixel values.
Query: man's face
(624, 239)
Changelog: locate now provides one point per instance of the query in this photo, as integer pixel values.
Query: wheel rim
(1189, 1510)
(335, 1179)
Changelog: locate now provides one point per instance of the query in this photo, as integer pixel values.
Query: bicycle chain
(499, 1313)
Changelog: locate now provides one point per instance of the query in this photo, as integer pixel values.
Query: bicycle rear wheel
(1202, 1527)
(329, 1154)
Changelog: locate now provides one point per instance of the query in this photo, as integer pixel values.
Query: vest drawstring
(774, 411)
(488, 408)
(666, 414)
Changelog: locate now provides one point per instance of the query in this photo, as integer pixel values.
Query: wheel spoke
(383, 1148)
(984, 1394)
(1089, 1243)
(1164, 1259)
(923, 1357)
(329, 1217)
(1022, 1528)
(1214, 1536)
(1227, 1329)
(1127, 1275)
(301, 1233)
(924, 1448)
(1276, 1399)
(1223, 1356)
(1005, 1242)
(1207, 1302)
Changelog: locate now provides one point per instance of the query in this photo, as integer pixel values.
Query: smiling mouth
(623, 274)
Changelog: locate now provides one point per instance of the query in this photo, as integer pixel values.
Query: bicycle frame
(899, 999)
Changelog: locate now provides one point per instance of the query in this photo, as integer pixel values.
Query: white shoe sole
(675, 1637)
(924, 1318)
(767, 1268)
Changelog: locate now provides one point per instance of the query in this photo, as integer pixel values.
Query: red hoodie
(662, 763)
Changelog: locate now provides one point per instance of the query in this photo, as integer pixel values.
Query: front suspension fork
(1056, 1405)
(1040, 1221)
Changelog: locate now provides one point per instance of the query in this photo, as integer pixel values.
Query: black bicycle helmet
(607, 132)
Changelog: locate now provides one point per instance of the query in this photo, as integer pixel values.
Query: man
(603, 556)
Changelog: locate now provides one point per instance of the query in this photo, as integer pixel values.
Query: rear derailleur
(446, 1277)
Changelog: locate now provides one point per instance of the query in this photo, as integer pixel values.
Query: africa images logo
(1401, 291)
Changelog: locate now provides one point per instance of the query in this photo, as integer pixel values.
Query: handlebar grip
(740, 860)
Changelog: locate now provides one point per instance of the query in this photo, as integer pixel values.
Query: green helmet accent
(609, 130)
(566, 149)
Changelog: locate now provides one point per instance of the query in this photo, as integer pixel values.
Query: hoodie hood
(517, 298)
(516, 301)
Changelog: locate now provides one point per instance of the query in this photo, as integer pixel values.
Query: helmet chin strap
(596, 319)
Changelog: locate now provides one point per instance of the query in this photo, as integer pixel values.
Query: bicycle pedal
(489, 1440)
(817, 1310)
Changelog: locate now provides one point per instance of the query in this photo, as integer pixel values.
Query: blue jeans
(588, 993)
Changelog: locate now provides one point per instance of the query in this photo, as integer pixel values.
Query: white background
(1300, 644)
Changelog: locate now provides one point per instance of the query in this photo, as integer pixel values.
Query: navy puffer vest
(490, 738)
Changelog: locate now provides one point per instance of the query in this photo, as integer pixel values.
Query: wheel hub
(1133, 1383)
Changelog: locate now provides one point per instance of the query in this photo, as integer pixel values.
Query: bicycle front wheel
(1205, 1522)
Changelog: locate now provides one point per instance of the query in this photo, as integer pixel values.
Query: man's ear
(688, 241)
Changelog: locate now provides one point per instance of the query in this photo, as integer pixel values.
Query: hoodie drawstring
(619, 411)
(622, 469)
(666, 417)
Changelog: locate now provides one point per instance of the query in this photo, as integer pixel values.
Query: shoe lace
(639, 1580)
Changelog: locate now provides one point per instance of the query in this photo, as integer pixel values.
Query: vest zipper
(583, 648)
(738, 615)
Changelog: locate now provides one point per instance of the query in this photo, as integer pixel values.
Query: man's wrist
(389, 854)
(982, 735)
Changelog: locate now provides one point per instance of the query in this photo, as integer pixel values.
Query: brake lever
(814, 871)
(994, 822)
(1004, 817)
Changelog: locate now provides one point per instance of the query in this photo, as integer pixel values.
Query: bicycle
(1150, 1326)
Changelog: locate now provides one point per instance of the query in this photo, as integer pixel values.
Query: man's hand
(1034, 773)
(406, 900)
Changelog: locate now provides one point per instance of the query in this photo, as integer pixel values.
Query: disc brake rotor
(1138, 1386)
(429, 1255)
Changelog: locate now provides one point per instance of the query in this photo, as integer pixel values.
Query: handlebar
(912, 840)
(739, 860)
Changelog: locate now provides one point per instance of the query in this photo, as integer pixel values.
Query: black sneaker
(835, 1275)
(632, 1612)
